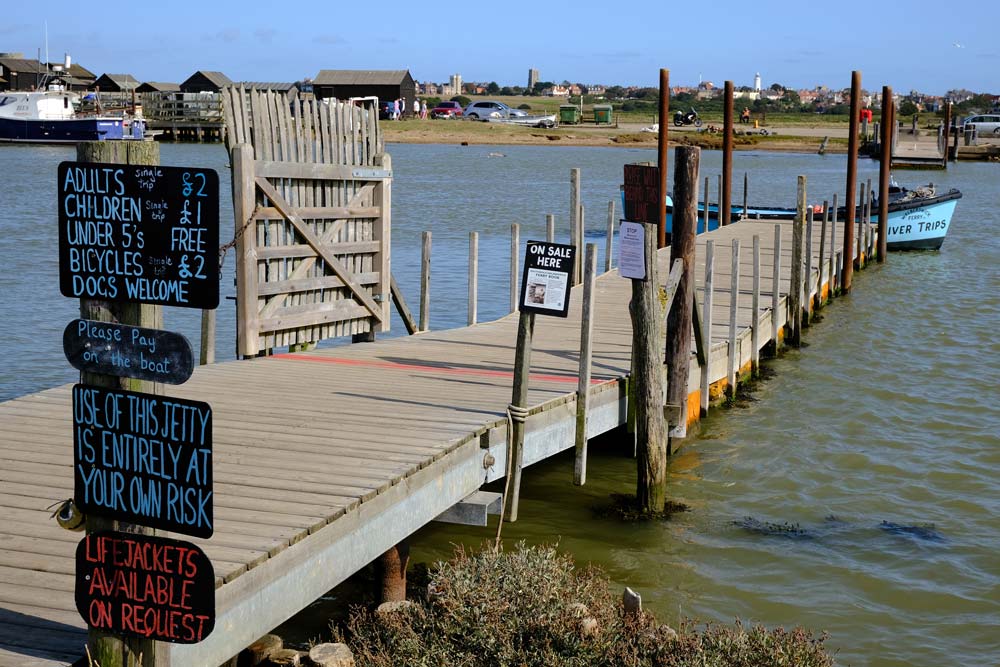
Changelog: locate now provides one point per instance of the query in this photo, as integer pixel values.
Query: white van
(985, 124)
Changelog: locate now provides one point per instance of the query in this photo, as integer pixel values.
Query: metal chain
(224, 248)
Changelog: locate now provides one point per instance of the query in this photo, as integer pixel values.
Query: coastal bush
(532, 607)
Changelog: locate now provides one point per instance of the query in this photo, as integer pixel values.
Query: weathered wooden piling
(776, 288)
(518, 410)
(885, 166)
(473, 277)
(393, 570)
(705, 205)
(207, 348)
(586, 352)
(755, 305)
(550, 228)
(847, 272)
(795, 290)
(680, 315)
(574, 219)
(746, 186)
(732, 367)
(725, 208)
(515, 253)
(609, 241)
(822, 252)
(807, 273)
(661, 154)
(706, 325)
(425, 281)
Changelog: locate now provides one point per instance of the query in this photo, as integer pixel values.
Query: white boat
(529, 121)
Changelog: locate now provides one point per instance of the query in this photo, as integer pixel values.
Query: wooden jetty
(326, 459)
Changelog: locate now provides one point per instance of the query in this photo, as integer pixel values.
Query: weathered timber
(586, 354)
(847, 272)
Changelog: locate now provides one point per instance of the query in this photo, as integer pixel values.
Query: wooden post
(746, 185)
(393, 565)
(515, 249)
(822, 251)
(518, 409)
(884, 168)
(680, 316)
(473, 276)
(807, 274)
(725, 207)
(207, 348)
(574, 215)
(581, 237)
(586, 350)
(661, 158)
(706, 324)
(734, 302)
(834, 274)
(776, 287)
(550, 228)
(106, 648)
(244, 203)
(755, 305)
(651, 437)
(425, 282)
(795, 290)
(847, 272)
(859, 259)
(609, 242)
(705, 199)
(946, 136)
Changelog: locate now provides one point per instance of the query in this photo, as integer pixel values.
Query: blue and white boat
(918, 219)
(49, 116)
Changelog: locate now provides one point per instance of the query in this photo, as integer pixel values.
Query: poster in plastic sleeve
(547, 278)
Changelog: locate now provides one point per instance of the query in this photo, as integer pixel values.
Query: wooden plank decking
(309, 486)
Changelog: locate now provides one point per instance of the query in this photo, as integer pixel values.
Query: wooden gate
(311, 203)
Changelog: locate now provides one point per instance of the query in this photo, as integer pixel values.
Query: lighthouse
(756, 82)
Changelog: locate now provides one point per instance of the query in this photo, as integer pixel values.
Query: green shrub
(526, 107)
(462, 99)
(531, 607)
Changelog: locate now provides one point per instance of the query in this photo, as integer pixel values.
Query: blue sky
(924, 45)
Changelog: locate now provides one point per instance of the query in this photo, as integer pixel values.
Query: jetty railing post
(574, 219)
(706, 323)
(822, 253)
(244, 203)
(425, 281)
(661, 156)
(393, 570)
(515, 248)
(706, 205)
(108, 649)
(586, 351)
(734, 301)
(609, 242)
(859, 260)
(718, 186)
(884, 168)
(776, 288)
(807, 274)
(683, 245)
(581, 237)
(207, 348)
(746, 185)
(834, 271)
(725, 211)
(795, 289)
(946, 136)
(518, 409)
(755, 305)
(473, 277)
(550, 228)
(850, 199)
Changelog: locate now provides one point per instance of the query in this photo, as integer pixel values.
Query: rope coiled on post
(515, 413)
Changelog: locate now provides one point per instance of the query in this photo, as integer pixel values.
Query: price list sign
(139, 233)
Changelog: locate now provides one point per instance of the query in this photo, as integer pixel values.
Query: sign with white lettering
(137, 233)
(545, 283)
(632, 250)
(145, 586)
(641, 192)
(127, 351)
(143, 459)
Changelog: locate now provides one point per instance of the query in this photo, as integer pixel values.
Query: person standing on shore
(394, 115)
(416, 108)
(402, 107)
(423, 110)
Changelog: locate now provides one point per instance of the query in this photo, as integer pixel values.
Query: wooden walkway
(307, 489)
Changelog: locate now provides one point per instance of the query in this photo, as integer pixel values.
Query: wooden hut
(158, 87)
(343, 84)
(116, 83)
(204, 81)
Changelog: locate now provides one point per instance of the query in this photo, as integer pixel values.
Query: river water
(877, 443)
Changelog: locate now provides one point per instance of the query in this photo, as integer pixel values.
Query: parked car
(447, 109)
(491, 108)
(984, 123)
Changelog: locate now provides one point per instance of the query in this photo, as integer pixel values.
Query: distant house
(158, 87)
(116, 83)
(204, 81)
(343, 84)
(20, 73)
(282, 87)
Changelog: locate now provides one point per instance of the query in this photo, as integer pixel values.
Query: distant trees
(462, 99)
(492, 88)
(507, 90)
(614, 92)
(540, 86)
(907, 108)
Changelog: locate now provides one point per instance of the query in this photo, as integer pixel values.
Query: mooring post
(574, 218)
(586, 351)
(884, 168)
(850, 199)
(859, 249)
(550, 228)
(718, 186)
(609, 242)
(807, 273)
(795, 289)
(746, 185)
(515, 249)
(834, 273)
(734, 301)
(518, 409)
(705, 199)
(425, 281)
(755, 305)
(393, 566)
(473, 276)
(244, 204)
(661, 156)
(706, 325)
(108, 649)
(728, 130)
(207, 348)
(681, 313)
(776, 287)
(581, 236)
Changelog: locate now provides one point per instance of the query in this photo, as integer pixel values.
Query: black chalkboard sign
(136, 233)
(145, 586)
(546, 280)
(127, 351)
(143, 458)
(642, 193)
